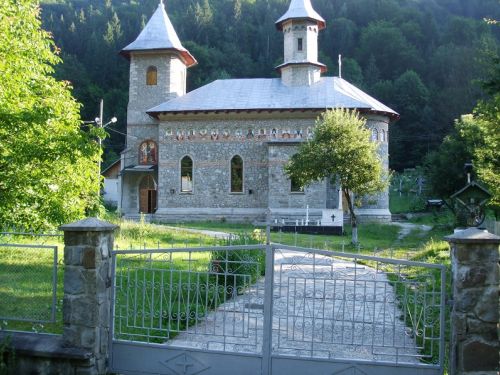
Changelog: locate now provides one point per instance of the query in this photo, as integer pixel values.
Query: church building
(217, 153)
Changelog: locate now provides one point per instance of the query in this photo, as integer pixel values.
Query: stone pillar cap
(91, 224)
(473, 235)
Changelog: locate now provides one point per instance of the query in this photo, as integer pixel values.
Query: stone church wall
(211, 144)
(265, 145)
(171, 73)
(130, 182)
(376, 206)
(280, 196)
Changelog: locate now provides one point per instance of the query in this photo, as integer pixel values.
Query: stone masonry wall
(280, 196)
(265, 144)
(380, 200)
(171, 73)
(475, 289)
(87, 289)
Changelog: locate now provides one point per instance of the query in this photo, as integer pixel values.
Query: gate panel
(360, 309)
(213, 311)
(189, 305)
(135, 358)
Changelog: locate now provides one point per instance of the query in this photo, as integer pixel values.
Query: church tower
(158, 64)
(300, 26)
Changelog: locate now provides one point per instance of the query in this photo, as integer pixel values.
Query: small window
(295, 187)
(382, 136)
(299, 44)
(186, 175)
(147, 153)
(374, 135)
(152, 76)
(237, 174)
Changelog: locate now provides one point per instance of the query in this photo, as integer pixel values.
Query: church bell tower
(300, 26)
(158, 65)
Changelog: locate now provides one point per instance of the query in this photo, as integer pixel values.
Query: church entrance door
(147, 195)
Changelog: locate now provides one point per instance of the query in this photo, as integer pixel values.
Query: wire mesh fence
(29, 293)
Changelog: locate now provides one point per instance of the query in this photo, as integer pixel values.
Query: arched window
(382, 136)
(147, 153)
(152, 76)
(236, 174)
(186, 175)
(374, 135)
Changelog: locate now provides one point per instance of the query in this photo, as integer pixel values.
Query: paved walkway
(322, 308)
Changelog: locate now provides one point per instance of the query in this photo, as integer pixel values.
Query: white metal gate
(275, 309)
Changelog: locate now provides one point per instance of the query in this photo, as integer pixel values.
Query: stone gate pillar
(87, 289)
(475, 316)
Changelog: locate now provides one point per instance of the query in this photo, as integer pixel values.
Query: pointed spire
(159, 34)
(301, 9)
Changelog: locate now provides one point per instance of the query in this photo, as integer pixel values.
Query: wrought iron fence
(307, 303)
(351, 306)
(198, 297)
(28, 286)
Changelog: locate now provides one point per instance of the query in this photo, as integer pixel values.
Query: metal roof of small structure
(301, 9)
(159, 34)
(271, 94)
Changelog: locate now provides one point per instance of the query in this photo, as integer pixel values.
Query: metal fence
(279, 301)
(28, 286)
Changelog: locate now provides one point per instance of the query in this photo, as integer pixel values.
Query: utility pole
(100, 124)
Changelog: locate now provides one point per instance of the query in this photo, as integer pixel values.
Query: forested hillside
(424, 58)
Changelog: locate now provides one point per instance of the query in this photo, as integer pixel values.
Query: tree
(483, 130)
(341, 151)
(444, 167)
(48, 165)
(410, 137)
(476, 138)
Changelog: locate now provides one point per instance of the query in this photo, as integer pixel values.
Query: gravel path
(322, 308)
(205, 232)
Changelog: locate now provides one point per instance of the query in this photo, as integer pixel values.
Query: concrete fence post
(87, 289)
(475, 291)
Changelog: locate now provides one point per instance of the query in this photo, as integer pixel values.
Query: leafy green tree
(476, 138)
(394, 54)
(444, 167)
(341, 151)
(410, 136)
(483, 132)
(48, 166)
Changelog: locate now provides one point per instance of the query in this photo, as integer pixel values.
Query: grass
(26, 288)
(399, 204)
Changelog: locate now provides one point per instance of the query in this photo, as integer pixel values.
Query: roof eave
(186, 57)
(321, 23)
(323, 67)
(156, 114)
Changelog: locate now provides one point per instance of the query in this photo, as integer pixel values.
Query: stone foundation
(43, 354)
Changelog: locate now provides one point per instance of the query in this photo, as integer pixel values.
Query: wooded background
(423, 58)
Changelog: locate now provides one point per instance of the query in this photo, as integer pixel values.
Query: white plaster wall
(110, 193)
